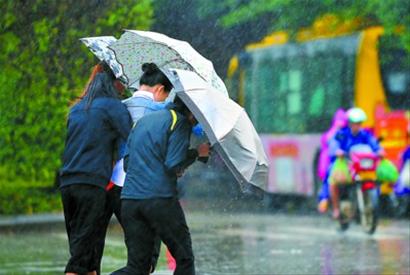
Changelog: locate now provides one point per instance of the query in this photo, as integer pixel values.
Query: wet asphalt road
(289, 244)
(238, 243)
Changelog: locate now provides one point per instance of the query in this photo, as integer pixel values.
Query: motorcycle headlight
(366, 163)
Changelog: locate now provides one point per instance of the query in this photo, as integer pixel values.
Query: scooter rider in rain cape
(344, 140)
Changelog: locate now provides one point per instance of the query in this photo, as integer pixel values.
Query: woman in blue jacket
(94, 125)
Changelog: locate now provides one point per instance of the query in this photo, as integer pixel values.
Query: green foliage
(291, 15)
(43, 68)
(21, 197)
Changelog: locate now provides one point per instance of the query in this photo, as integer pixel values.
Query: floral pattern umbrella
(99, 46)
(137, 47)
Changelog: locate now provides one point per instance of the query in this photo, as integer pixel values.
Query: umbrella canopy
(137, 47)
(228, 127)
(98, 45)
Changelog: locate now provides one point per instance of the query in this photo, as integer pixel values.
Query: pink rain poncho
(339, 121)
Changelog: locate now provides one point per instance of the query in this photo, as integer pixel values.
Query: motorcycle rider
(344, 140)
(402, 187)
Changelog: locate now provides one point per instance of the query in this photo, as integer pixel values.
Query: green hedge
(44, 67)
(28, 197)
(29, 201)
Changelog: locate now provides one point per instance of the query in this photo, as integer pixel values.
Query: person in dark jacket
(157, 154)
(154, 89)
(94, 125)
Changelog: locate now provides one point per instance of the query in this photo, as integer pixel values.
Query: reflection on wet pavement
(239, 244)
(281, 244)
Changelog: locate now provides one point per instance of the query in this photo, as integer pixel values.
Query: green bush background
(43, 68)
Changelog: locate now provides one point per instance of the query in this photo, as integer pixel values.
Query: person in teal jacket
(157, 154)
(150, 97)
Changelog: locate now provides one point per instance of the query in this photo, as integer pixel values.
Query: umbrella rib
(176, 59)
(192, 89)
(122, 66)
(150, 42)
(231, 166)
(136, 42)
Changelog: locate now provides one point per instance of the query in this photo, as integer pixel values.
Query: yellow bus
(291, 89)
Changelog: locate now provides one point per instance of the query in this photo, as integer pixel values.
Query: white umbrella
(228, 127)
(98, 45)
(137, 47)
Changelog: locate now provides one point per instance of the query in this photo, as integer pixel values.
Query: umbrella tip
(253, 191)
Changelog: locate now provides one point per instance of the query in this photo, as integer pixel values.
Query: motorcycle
(359, 199)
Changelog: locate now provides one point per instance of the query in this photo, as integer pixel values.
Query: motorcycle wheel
(345, 215)
(343, 222)
(369, 211)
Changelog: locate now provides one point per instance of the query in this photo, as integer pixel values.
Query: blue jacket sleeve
(406, 154)
(334, 145)
(126, 152)
(121, 148)
(178, 145)
(373, 143)
(120, 119)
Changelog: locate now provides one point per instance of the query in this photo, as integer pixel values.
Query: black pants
(142, 221)
(83, 212)
(113, 206)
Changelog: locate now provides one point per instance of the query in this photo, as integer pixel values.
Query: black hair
(152, 76)
(102, 85)
(180, 106)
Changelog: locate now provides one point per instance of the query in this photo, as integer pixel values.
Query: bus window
(297, 88)
(275, 97)
(325, 89)
(395, 68)
(280, 88)
(294, 97)
(317, 101)
(264, 95)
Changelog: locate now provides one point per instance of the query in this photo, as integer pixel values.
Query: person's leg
(68, 208)
(102, 230)
(116, 204)
(334, 194)
(89, 204)
(113, 206)
(167, 218)
(324, 195)
(115, 198)
(155, 252)
(139, 239)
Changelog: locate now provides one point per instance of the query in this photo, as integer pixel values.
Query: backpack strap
(174, 119)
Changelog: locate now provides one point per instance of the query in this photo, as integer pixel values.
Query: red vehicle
(360, 198)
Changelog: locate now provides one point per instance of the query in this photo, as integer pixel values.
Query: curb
(36, 221)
